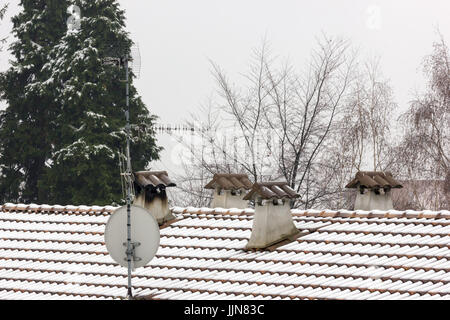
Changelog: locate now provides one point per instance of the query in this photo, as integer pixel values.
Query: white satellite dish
(144, 231)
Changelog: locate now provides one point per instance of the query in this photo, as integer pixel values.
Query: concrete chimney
(150, 187)
(229, 190)
(374, 190)
(272, 222)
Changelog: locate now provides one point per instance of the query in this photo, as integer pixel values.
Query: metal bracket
(132, 251)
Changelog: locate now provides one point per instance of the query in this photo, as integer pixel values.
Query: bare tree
(280, 124)
(421, 195)
(303, 112)
(199, 158)
(423, 154)
(361, 135)
(368, 119)
(245, 112)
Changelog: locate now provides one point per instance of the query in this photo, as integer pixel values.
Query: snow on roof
(56, 252)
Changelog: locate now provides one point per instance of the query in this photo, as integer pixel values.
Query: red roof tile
(54, 252)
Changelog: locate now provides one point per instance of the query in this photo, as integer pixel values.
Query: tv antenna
(129, 59)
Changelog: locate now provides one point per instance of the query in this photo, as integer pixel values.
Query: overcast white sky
(177, 38)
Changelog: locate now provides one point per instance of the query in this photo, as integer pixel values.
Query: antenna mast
(123, 60)
(130, 246)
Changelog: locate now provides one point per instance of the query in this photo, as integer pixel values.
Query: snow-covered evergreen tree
(63, 128)
(90, 119)
(25, 124)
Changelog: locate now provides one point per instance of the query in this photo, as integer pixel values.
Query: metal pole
(128, 179)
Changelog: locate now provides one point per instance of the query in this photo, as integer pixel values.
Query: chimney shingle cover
(271, 190)
(153, 179)
(228, 181)
(374, 180)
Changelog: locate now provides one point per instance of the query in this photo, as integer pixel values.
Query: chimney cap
(271, 190)
(154, 179)
(229, 181)
(374, 180)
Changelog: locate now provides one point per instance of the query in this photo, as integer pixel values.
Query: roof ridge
(343, 213)
(57, 208)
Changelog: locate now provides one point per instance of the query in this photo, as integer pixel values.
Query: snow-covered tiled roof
(56, 252)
